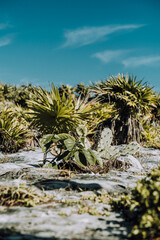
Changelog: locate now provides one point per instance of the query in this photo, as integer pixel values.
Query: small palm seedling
(65, 147)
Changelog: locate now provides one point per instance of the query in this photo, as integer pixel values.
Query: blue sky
(79, 41)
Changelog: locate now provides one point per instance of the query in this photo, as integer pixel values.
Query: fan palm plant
(132, 99)
(52, 113)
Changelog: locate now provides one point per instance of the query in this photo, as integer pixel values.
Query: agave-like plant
(132, 100)
(52, 113)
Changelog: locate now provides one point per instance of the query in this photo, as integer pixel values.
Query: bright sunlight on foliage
(53, 113)
(142, 207)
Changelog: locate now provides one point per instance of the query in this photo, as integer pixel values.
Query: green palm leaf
(52, 112)
(129, 95)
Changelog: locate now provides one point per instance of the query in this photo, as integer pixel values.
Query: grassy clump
(14, 129)
(21, 196)
(142, 207)
(90, 204)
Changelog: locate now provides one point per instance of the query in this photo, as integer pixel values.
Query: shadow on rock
(118, 228)
(8, 234)
(51, 184)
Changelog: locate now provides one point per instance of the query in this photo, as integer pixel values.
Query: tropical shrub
(127, 93)
(100, 114)
(66, 147)
(142, 207)
(52, 113)
(132, 99)
(16, 95)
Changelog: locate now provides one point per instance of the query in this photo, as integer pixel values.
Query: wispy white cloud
(110, 55)
(5, 41)
(88, 35)
(122, 57)
(141, 61)
(3, 26)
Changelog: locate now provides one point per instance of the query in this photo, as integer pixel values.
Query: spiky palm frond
(53, 113)
(128, 94)
(50, 112)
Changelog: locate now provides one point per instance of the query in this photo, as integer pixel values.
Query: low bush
(142, 207)
(13, 130)
(151, 136)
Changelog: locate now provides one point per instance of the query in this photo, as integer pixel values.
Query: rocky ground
(79, 203)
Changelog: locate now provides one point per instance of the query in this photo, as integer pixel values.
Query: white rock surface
(134, 164)
(59, 221)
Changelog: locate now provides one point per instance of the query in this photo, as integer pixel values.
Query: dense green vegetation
(142, 207)
(130, 108)
(52, 112)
